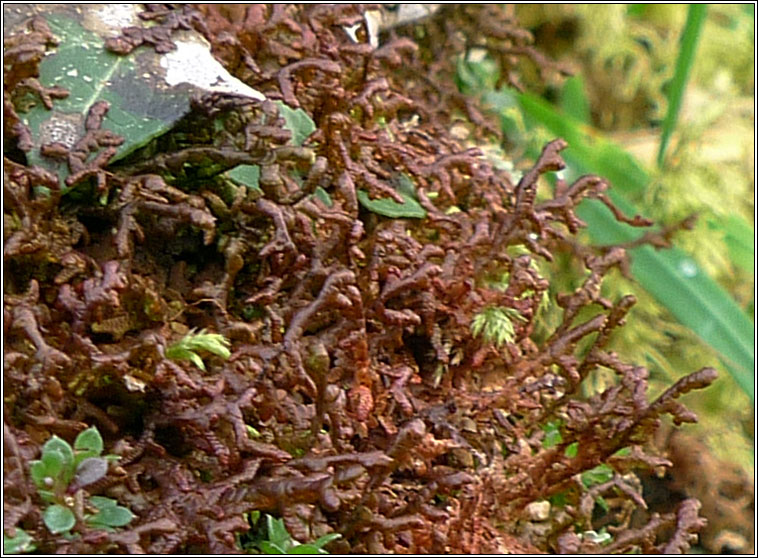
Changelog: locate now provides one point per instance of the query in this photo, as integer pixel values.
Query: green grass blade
(739, 238)
(698, 302)
(573, 100)
(587, 148)
(688, 46)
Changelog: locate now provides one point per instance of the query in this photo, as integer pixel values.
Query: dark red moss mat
(358, 397)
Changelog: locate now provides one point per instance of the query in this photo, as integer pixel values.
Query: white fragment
(538, 511)
(60, 129)
(406, 13)
(373, 21)
(134, 384)
(688, 268)
(73, 73)
(107, 20)
(193, 63)
(597, 538)
(352, 32)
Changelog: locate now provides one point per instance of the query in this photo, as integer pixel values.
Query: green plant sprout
(277, 540)
(495, 324)
(20, 543)
(63, 470)
(185, 348)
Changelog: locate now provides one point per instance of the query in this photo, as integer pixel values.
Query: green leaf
(57, 444)
(636, 10)
(185, 348)
(324, 196)
(598, 475)
(58, 458)
(196, 360)
(571, 450)
(101, 502)
(46, 495)
(38, 471)
(308, 548)
(180, 353)
(277, 532)
(495, 324)
(50, 470)
(148, 92)
(410, 208)
(19, 544)
(111, 516)
(296, 121)
(58, 519)
(552, 434)
(89, 440)
(688, 46)
(271, 548)
(212, 342)
(83, 66)
(600, 501)
(247, 175)
(326, 539)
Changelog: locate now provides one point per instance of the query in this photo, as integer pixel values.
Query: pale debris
(193, 63)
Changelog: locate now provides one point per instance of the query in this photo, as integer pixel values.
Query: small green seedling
(279, 541)
(185, 348)
(496, 324)
(62, 470)
(20, 543)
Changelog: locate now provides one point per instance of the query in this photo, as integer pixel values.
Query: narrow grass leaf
(587, 148)
(739, 238)
(277, 532)
(574, 102)
(698, 302)
(687, 48)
